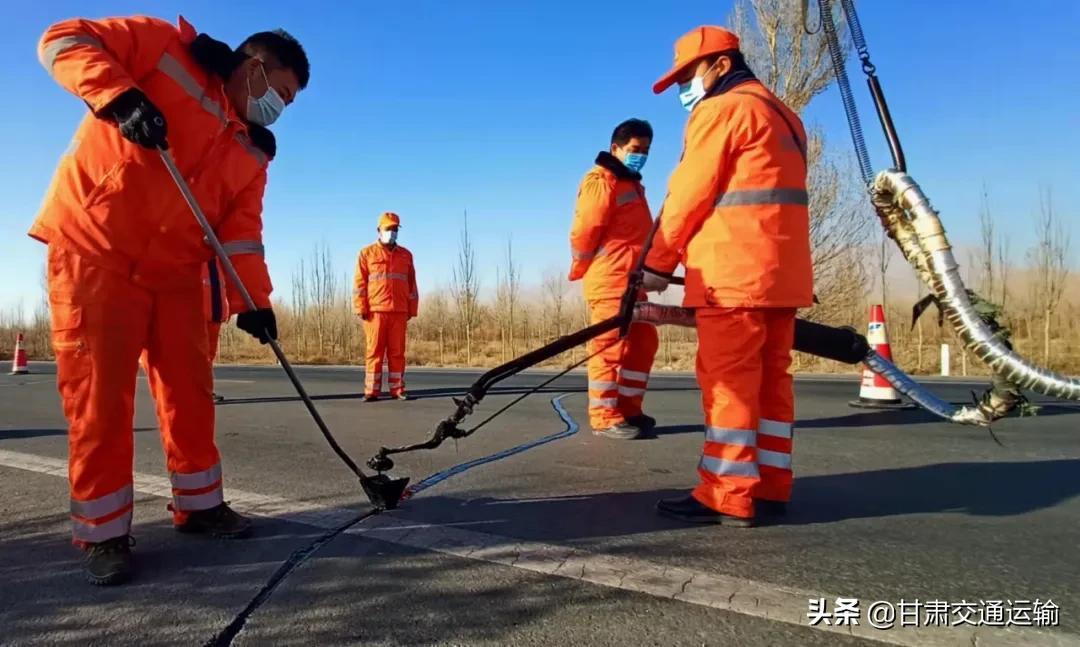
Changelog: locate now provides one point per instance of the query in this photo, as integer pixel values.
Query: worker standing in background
(611, 223)
(125, 254)
(385, 298)
(736, 218)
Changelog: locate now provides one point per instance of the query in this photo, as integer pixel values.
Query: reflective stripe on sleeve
(49, 51)
(244, 247)
(779, 460)
(762, 196)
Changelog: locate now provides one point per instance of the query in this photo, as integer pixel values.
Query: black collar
(220, 60)
(215, 56)
(610, 162)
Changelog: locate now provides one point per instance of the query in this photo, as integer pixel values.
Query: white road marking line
(717, 591)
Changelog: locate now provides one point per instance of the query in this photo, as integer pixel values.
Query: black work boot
(690, 510)
(370, 397)
(403, 396)
(644, 422)
(109, 562)
(619, 431)
(220, 521)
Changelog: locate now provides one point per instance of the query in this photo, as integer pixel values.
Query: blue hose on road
(440, 476)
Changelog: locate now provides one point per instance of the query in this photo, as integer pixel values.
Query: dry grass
(334, 336)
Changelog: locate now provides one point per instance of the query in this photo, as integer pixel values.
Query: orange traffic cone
(19, 365)
(875, 391)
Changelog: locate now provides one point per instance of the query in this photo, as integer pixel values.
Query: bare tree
(555, 287)
(507, 299)
(797, 67)
(1004, 256)
(323, 286)
(791, 62)
(884, 260)
(465, 287)
(840, 227)
(1048, 259)
(300, 304)
(986, 257)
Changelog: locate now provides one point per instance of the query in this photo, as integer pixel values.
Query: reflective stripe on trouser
(101, 323)
(196, 490)
(618, 375)
(742, 363)
(102, 518)
(384, 336)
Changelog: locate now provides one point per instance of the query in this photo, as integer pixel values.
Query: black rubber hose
(838, 344)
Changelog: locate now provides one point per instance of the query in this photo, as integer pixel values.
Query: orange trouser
(385, 334)
(743, 362)
(618, 375)
(102, 321)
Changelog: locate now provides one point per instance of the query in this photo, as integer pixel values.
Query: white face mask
(387, 236)
(691, 94)
(266, 109)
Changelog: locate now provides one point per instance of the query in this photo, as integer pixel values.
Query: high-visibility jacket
(611, 222)
(215, 303)
(111, 201)
(385, 281)
(736, 211)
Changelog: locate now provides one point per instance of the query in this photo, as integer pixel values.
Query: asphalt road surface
(556, 542)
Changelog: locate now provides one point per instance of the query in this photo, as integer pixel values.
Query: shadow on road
(21, 434)
(427, 394)
(975, 489)
(355, 590)
(886, 417)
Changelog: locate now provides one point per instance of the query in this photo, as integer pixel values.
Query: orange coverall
(611, 222)
(736, 217)
(125, 258)
(385, 297)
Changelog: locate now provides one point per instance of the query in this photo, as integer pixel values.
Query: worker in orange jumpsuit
(611, 222)
(385, 299)
(736, 218)
(125, 253)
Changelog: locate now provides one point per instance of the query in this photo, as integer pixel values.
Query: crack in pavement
(226, 636)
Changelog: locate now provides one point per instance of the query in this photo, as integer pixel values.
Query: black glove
(258, 323)
(139, 120)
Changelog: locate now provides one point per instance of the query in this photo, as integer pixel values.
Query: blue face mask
(690, 94)
(635, 161)
(266, 109)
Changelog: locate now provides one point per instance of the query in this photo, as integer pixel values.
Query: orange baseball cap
(389, 219)
(694, 46)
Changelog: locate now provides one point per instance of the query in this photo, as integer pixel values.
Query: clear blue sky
(431, 107)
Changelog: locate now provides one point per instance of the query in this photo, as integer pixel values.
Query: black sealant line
(225, 637)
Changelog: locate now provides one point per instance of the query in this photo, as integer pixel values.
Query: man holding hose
(125, 253)
(736, 218)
